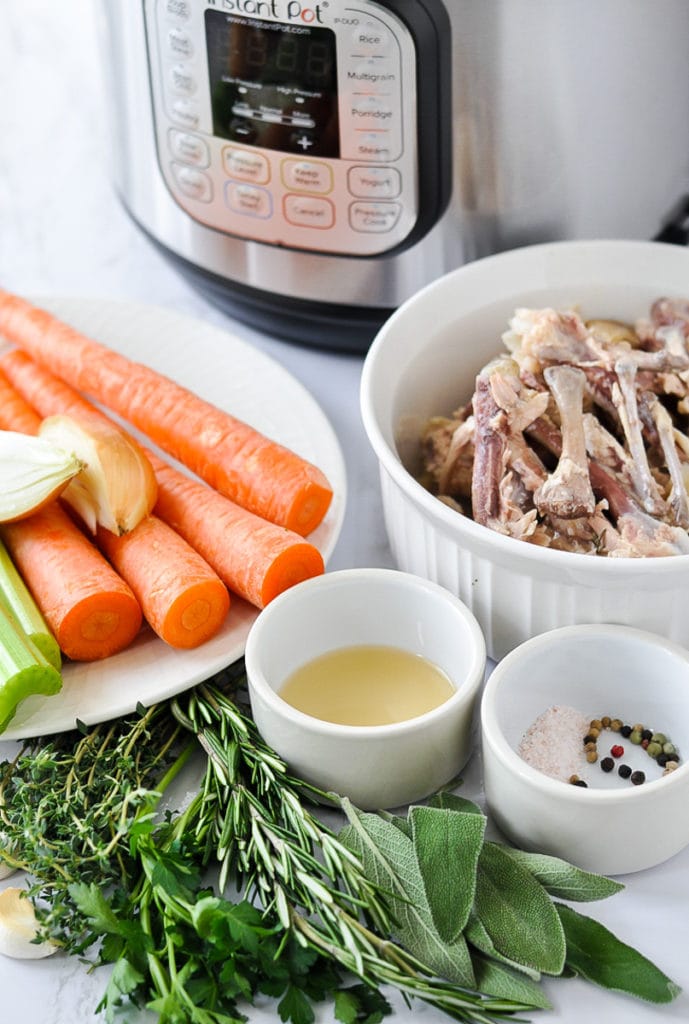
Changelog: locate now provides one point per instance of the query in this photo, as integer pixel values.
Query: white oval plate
(233, 375)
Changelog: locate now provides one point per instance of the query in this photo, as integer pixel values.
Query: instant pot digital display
(273, 85)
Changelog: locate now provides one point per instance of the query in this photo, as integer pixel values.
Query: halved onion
(117, 487)
(33, 471)
(19, 927)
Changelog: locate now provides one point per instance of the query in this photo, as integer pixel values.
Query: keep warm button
(374, 217)
(309, 211)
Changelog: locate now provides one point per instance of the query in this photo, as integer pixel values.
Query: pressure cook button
(189, 148)
(181, 81)
(374, 218)
(307, 176)
(185, 113)
(180, 9)
(309, 212)
(179, 43)
(374, 182)
(249, 200)
(246, 165)
(192, 183)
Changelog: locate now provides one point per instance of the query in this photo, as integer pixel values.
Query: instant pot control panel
(304, 124)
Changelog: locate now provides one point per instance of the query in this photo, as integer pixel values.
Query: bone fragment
(624, 397)
(567, 493)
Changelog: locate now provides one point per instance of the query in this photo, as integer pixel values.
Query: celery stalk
(23, 670)
(20, 606)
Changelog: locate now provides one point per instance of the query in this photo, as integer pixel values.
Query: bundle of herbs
(423, 905)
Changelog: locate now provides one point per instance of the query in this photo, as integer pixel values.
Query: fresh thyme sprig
(113, 877)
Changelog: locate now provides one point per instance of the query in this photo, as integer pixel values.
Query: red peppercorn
(617, 750)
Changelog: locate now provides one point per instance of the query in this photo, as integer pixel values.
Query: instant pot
(309, 164)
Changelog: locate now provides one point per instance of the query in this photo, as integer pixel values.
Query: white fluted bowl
(424, 361)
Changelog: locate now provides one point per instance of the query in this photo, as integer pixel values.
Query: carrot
(15, 412)
(90, 610)
(254, 558)
(183, 600)
(45, 393)
(231, 456)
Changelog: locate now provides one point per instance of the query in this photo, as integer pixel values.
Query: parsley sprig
(118, 879)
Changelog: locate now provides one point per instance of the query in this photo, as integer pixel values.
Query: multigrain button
(307, 176)
(245, 165)
(374, 218)
(193, 183)
(309, 212)
(248, 200)
(189, 148)
(374, 182)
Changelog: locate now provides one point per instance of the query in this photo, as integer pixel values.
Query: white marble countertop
(64, 233)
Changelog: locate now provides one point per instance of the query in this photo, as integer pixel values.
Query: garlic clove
(117, 488)
(19, 927)
(33, 471)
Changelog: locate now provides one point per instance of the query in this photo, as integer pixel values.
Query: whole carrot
(255, 558)
(182, 599)
(15, 412)
(234, 458)
(89, 608)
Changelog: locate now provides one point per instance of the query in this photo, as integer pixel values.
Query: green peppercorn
(669, 748)
(659, 737)
(653, 749)
(635, 736)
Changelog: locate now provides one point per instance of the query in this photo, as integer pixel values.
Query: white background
(63, 232)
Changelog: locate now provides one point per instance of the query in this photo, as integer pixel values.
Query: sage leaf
(497, 980)
(452, 802)
(564, 880)
(447, 845)
(388, 858)
(517, 912)
(599, 956)
(477, 936)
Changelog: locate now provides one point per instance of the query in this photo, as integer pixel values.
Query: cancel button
(309, 211)
(374, 217)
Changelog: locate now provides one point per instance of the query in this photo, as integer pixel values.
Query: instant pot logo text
(281, 10)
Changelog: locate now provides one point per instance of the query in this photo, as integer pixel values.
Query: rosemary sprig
(113, 877)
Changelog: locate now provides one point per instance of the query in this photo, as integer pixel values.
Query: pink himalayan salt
(554, 745)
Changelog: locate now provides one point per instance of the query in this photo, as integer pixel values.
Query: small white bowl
(598, 670)
(424, 363)
(375, 766)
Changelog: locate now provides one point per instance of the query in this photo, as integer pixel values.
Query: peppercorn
(580, 782)
(626, 731)
(638, 727)
(624, 771)
(659, 737)
(591, 745)
(616, 725)
(644, 744)
(647, 734)
(607, 764)
(663, 759)
(591, 756)
(653, 749)
(671, 766)
(596, 724)
(638, 778)
(605, 722)
(617, 750)
(635, 736)
(668, 748)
